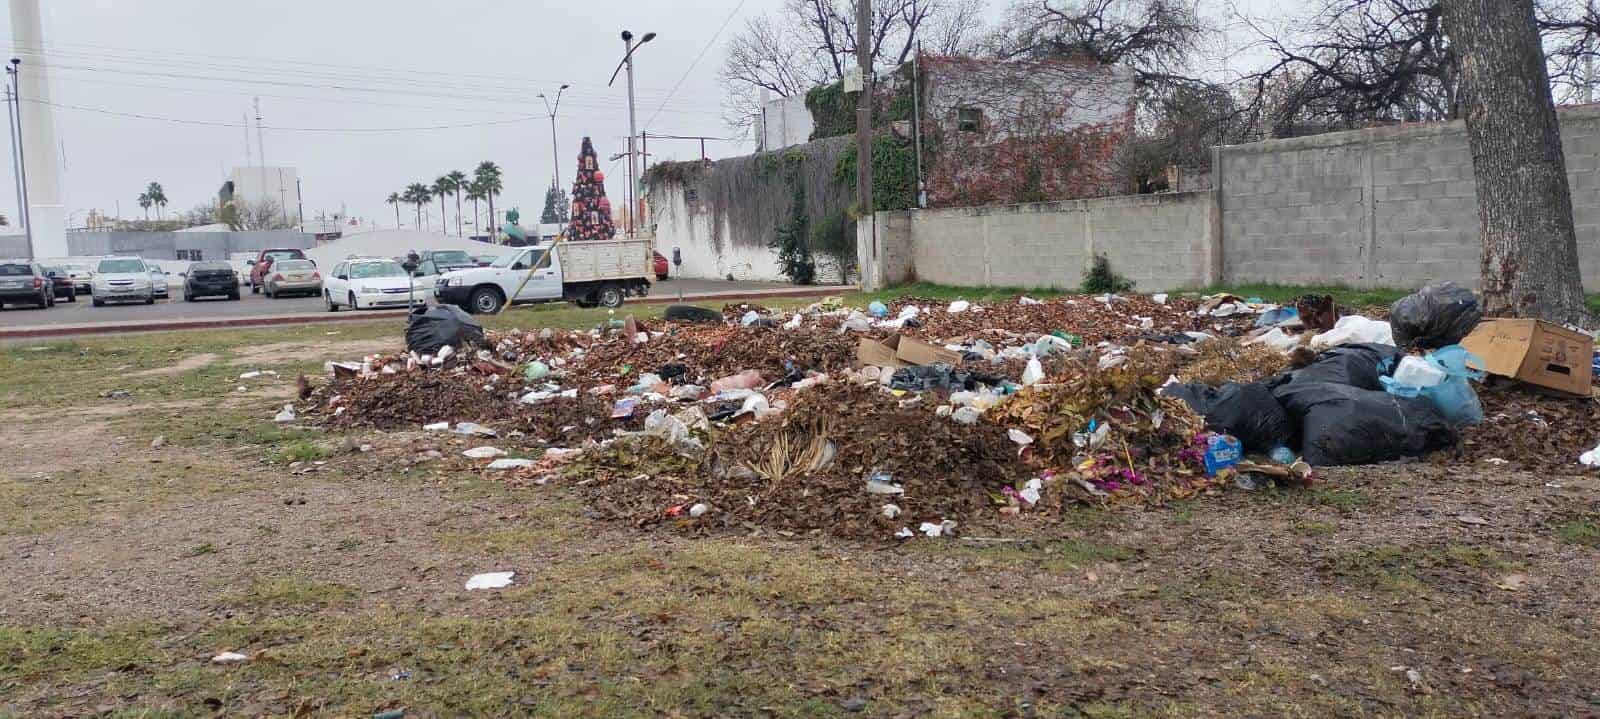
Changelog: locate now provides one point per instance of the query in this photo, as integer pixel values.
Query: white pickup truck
(600, 272)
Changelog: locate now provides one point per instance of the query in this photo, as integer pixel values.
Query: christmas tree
(591, 211)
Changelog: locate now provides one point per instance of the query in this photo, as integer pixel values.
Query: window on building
(191, 255)
(691, 194)
(969, 119)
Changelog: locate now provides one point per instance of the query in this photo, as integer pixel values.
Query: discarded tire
(691, 313)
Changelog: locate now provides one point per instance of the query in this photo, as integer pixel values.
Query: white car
(368, 283)
(122, 279)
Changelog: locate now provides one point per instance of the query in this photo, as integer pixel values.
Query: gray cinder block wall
(1384, 207)
(1161, 242)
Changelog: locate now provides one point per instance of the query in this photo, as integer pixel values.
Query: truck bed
(606, 260)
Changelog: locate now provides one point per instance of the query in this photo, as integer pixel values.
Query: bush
(1099, 279)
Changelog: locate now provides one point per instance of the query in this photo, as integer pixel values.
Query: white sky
(365, 67)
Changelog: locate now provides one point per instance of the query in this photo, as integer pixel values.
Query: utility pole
(916, 121)
(11, 129)
(15, 71)
(864, 116)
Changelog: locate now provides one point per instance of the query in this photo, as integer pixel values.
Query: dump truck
(588, 274)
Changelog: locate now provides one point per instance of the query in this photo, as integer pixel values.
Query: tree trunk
(458, 214)
(1530, 249)
(397, 217)
(494, 234)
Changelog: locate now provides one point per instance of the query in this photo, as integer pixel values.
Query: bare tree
(201, 214)
(812, 42)
(1157, 38)
(264, 214)
(1530, 248)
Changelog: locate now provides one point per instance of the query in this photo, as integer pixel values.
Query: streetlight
(14, 72)
(554, 148)
(633, 129)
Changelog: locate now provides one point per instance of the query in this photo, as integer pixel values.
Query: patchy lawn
(1405, 590)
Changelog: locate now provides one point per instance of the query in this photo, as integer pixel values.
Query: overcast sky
(364, 75)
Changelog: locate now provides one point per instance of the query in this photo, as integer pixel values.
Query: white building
(783, 122)
(255, 185)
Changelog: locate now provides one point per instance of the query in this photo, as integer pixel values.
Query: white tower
(39, 147)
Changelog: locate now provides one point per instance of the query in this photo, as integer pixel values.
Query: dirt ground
(1400, 590)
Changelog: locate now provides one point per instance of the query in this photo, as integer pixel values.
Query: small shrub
(1099, 279)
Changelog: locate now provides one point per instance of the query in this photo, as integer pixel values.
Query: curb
(46, 331)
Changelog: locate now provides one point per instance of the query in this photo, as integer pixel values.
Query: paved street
(254, 306)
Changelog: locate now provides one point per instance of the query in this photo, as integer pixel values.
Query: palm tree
(458, 182)
(443, 187)
(394, 199)
(145, 201)
(158, 197)
(475, 193)
(488, 175)
(419, 194)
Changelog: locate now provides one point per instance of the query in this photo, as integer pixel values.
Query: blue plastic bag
(1454, 397)
(1272, 318)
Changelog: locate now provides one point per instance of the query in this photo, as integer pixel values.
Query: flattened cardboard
(872, 353)
(902, 351)
(917, 352)
(1536, 352)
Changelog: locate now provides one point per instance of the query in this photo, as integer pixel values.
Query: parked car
(367, 283)
(293, 277)
(82, 276)
(599, 272)
(62, 283)
(122, 279)
(23, 282)
(447, 260)
(661, 266)
(484, 260)
(158, 282)
(210, 279)
(263, 265)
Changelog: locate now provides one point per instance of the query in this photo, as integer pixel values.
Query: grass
(1053, 556)
(289, 592)
(300, 450)
(1403, 568)
(1582, 531)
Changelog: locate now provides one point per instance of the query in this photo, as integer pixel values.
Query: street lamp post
(633, 122)
(555, 149)
(14, 71)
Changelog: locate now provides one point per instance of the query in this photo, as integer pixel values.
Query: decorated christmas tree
(591, 211)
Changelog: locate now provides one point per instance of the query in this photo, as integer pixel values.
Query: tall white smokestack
(39, 147)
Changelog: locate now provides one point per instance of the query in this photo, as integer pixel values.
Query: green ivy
(834, 235)
(894, 173)
(791, 241)
(833, 112)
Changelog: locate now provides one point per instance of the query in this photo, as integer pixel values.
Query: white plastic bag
(1351, 330)
(1033, 373)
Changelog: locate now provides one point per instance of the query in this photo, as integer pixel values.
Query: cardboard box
(902, 351)
(1536, 352)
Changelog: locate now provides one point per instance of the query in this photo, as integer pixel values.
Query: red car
(661, 267)
(263, 265)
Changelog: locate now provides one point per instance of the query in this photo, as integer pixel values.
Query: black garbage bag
(691, 313)
(1246, 411)
(1354, 365)
(1345, 425)
(1438, 315)
(940, 376)
(430, 328)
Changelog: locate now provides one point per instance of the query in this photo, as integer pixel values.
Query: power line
(213, 123)
(697, 60)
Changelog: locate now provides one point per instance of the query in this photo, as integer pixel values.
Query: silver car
(158, 282)
(122, 279)
(290, 276)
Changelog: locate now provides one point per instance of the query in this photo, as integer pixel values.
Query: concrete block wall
(1383, 207)
(1162, 242)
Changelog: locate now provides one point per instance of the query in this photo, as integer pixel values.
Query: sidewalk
(164, 325)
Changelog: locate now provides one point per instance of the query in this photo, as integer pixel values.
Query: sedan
(661, 266)
(63, 283)
(158, 282)
(292, 277)
(210, 279)
(369, 283)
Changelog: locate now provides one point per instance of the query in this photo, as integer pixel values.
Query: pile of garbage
(923, 418)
